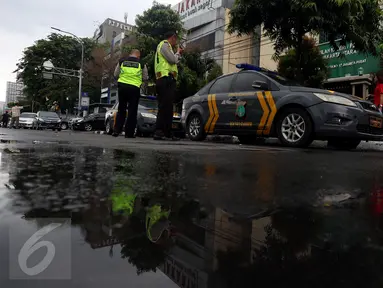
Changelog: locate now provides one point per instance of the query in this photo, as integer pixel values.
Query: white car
(28, 120)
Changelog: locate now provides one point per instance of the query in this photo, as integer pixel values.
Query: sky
(25, 21)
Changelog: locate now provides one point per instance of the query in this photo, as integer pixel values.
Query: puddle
(199, 220)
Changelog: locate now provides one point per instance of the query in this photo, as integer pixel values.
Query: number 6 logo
(32, 245)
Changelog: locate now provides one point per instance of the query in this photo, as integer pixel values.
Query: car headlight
(335, 99)
(40, 119)
(148, 115)
(59, 121)
(80, 120)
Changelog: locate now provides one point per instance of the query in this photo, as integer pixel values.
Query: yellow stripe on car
(208, 123)
(271, 102)
(265, 114)
(216, 114)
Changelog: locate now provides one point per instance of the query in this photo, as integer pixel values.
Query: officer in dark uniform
(165, 66)
(130, 77)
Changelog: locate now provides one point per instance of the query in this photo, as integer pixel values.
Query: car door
(218, 121)
(252, 102)
(99, 121)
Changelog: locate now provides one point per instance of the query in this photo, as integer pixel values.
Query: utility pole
(81, 67)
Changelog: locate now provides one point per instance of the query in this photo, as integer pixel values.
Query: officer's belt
(159, 75)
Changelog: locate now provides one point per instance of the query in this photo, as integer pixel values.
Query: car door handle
(233, 98)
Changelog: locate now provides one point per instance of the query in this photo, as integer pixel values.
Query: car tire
(59, 129)
(295, 128)
(108, 127)
(194, 128)
(64, 126)
(343, 144)
(53, 129)
(88, 127)
(247, 139)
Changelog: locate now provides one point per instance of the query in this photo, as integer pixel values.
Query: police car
(256, 102)
(146, 118)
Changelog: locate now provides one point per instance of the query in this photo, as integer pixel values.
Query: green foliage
(314, 67)
(286, 21)
(151, 28)
(64, 52)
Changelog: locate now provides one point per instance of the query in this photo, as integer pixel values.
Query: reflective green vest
(161, 66)
(131, 73)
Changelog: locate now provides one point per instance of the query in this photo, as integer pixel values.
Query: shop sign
(188, 9)
(347, 61)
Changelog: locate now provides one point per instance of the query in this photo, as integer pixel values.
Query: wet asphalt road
(237, 216)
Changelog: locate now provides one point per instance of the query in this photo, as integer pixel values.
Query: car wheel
(108, 128)
(194, 128)
(343, 144)
(53, 129)
(88, 127)
(64, 126)
(295, 128)
(247, 139)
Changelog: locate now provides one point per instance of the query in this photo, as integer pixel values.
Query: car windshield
(49, 114)
(281, 80)
(28, 115)
(148, 103)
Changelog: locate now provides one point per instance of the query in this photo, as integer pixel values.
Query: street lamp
(82, 63)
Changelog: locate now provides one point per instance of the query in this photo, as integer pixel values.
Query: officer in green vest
(165, 65)
(130, 76)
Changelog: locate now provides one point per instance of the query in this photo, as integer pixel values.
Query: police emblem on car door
(240, 111)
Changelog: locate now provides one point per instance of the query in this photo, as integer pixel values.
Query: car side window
(245, 80)
(222, 85)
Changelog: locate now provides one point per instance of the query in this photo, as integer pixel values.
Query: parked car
(28, 120)
(146, 118)
(94, 121)
(256, 102)
(48, 120)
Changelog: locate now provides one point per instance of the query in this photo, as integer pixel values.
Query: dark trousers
(127, 94)
(166, 92)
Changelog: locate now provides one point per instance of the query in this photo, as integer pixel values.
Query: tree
(286, 22)
(314, 67)
(63, 52)
(152, 26)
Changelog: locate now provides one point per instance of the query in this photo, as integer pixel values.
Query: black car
(48, 120)
(256, 102)
(146, 118)
(94, 121)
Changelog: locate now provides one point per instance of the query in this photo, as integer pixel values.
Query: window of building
(204, 43)
(113, 102)
(222, 85)
(245, 81)
(323, 37)
(114, 34)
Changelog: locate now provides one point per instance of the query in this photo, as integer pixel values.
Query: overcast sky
(25, 21)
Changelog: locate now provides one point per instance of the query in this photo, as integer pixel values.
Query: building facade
(206, 23)
(239, 49)
(14, 92)
(109, 29)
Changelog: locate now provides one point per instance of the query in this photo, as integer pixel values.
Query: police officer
(130, 76)
(165, 65)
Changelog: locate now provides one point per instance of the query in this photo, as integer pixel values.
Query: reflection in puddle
(202, 224)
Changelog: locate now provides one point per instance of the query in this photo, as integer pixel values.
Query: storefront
(351, 72)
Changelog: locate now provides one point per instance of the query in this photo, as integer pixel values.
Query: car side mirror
(261, 85)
